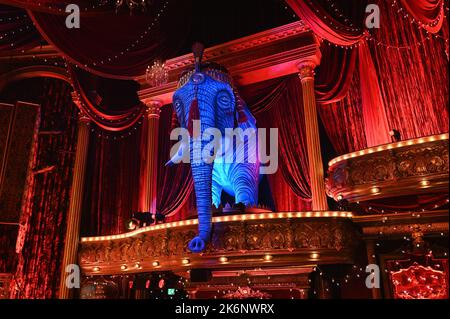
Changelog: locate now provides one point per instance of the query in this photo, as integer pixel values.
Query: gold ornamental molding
(238, 242)
(408, 167)
(433, 222)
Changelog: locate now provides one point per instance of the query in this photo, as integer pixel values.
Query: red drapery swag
(378, 113)
(108, 120)
(109, 44)
(430, 13)
(413, 78)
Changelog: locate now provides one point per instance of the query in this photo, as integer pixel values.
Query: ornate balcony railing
(238, 242)
(404, 168)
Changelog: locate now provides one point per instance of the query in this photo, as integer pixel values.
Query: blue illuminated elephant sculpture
(206, 94)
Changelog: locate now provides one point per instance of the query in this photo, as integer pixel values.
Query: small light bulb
(223, 259)
(185, 261)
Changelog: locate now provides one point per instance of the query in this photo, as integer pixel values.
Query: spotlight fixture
(268, 257)
(140, 219)
(96, 269)
(159, 218)
(123, 267)
(155, 263)
(343, 205)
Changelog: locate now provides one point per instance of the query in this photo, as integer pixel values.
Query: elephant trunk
(202, 176)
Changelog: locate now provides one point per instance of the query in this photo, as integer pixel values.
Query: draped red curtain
(324, 19)
(430, 13)
(284, 111)
(175, 183)
(43, 220)
(115, 45)
(400, 83)
(376, 125)
(112, 182)
(412, 68)
(344, 122)
(108, 120)
(16, 30)
(335, 73)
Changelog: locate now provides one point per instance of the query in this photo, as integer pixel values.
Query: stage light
(223, 259)
(425, 183)
(340, 197)
(155, 263)
(138, 266)
(268, 257)
(375, 190)
(123, 267)
(314, 256)
(96, 269)
(185, 261)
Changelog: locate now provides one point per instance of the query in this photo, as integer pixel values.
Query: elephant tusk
(177, 157)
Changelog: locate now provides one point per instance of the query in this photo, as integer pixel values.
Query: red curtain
(430, 13)
(414, 78)
(112, 182)
(100, 115)
(343, 121)
(115, 45)
(333, 24)
(175, 183)
(16, 30)
(285, 98)
(374, 112)
(324, 21)
(335, 73)
(43, 221)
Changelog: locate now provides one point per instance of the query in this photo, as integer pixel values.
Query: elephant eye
(224, 99)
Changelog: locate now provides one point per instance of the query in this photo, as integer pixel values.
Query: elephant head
(206, 94)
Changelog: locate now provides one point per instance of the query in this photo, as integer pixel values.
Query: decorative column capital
(306, 69)
(82, 116)
(76, 99)
(153, 108)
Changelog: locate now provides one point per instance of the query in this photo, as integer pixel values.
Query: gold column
(75, 204)
(371, 258)
(151, 178)
(316, 174)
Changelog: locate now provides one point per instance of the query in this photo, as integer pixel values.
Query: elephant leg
(244, 180)
(216, 193)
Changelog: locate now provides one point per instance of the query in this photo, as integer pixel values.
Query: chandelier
(133, 4)
(157, 74)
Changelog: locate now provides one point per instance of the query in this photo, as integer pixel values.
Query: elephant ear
(244, 117)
